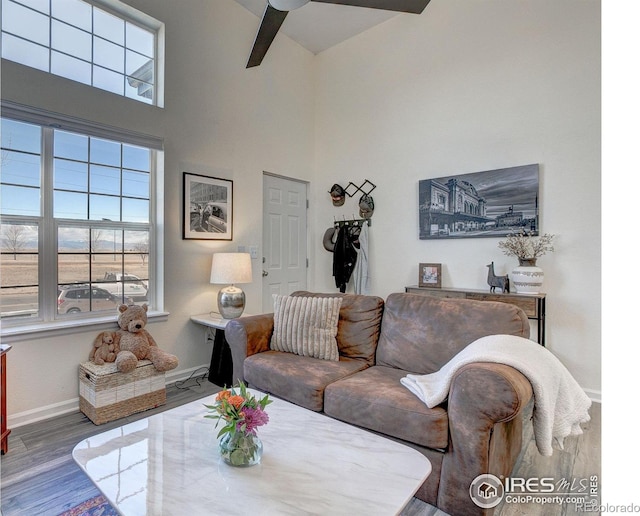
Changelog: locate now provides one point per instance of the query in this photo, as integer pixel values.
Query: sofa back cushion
(420, 334)
(306, 326)
(358, 325)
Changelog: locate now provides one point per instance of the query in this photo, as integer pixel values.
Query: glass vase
(240, 449)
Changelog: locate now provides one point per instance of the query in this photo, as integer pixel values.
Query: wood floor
(40, 478)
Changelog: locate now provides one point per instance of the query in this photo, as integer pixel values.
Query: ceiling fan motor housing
(287, 5)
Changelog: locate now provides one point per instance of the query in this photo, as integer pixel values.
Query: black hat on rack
(337, 195)
(366, 206)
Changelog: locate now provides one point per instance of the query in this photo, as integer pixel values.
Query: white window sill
(12, 334)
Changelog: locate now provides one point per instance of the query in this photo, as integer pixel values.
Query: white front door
(284, 238)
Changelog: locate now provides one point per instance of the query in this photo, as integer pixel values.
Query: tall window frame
(102, 43)
(48, 317)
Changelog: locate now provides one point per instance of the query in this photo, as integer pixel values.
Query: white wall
(465, 87)
(219, 119)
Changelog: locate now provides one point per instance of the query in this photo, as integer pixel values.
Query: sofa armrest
(485, 407)
(247, 336)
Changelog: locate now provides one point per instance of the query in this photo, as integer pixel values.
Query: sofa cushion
(375, 399)
(420, 334)
(358, 325)
(306, 326)
(298, 379)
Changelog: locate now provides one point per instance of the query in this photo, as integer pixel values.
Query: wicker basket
(106, 394)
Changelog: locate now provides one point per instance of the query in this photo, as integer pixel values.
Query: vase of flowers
(241, 414)
(527, 277)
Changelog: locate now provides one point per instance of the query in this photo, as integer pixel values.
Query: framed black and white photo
(430, 275)
(208, 208)
(493, 203)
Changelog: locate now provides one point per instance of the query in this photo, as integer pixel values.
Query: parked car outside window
(82, 298)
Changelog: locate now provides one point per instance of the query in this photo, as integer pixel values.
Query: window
(77, 234)
(114, 48)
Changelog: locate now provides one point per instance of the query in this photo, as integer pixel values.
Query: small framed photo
(430, 275)
(208, 208)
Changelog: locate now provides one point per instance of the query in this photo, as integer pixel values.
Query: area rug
(96, 506)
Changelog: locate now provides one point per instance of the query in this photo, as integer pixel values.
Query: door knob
(265, 273)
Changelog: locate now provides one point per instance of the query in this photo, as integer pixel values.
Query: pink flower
(253, 418)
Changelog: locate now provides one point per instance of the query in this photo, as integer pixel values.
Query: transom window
(85, 43)
(76, 234)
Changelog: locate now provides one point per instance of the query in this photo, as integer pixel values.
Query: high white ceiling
(319, 26)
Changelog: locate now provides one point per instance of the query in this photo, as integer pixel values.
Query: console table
(534, 305)
(4, 432)
(221, 369)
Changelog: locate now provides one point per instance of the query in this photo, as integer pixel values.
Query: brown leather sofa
(477, 430)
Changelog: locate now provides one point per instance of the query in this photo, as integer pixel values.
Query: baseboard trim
(73, 405)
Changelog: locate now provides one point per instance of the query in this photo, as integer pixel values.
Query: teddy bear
(135, 343)
(104, 348)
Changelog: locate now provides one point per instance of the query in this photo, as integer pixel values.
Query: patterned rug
(96, 506)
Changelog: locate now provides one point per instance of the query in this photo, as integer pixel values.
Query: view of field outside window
(94, 195)
(81, 42)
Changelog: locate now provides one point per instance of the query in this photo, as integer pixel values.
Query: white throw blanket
(560, 405)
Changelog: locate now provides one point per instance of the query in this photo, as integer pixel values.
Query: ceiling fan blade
(271, 21)
(404, 6)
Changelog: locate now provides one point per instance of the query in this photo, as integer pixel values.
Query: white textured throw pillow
(306, 326)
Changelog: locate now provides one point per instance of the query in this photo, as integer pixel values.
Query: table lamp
(231, 268)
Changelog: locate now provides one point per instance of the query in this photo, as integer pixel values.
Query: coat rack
(350, 222)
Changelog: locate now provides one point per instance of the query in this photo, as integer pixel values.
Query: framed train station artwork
(208, 208)
(493, 203)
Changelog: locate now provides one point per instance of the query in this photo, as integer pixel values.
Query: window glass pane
(70, 40)
(135, 210)
(71, 145)
(135, 184)
(72, 239)
(20, 136)
(25, 22)
(70, 175)
(70, 67)
(19, 255)
(104, 207)
(38, 5)
(139, 67)
(140, 91)
(24, 52)
(68, 205)
(137, 158)
(139, 39)
(104, 152)
(108, 55)
(108, 80)
(108, 26)
(74, 12)
(19, 264)
(19, 168)
(18, 200)
(105, 180)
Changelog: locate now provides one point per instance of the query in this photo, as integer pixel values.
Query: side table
(4, 432)
(221, 370)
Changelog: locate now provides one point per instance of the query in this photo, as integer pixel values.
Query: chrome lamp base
(231, 302)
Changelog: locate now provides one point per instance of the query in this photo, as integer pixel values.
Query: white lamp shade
(230, 268)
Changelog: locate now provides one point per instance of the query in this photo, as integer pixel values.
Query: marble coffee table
(169, 463)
